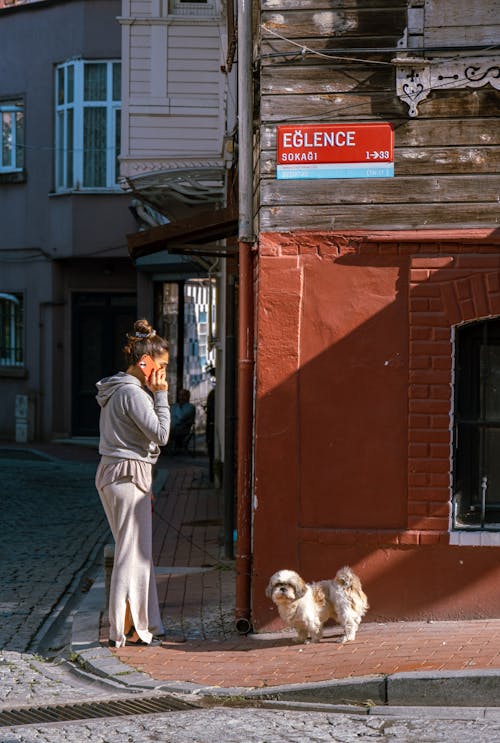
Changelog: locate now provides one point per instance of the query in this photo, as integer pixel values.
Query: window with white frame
(12, 130)
(11, 330)
(88, 98)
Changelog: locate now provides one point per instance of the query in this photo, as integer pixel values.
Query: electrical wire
(431, 62)
(314, 52)
(383, 50)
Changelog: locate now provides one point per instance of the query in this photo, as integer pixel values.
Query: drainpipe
(245, 321)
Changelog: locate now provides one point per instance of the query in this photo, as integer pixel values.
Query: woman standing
(134, 424)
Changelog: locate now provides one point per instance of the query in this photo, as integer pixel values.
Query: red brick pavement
(378, 649)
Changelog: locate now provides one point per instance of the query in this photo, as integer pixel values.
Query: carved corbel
(413, 81)
(416, 77)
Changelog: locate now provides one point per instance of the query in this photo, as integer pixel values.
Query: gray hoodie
(134, 423)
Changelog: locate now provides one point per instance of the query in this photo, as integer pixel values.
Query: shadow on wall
(352, 458)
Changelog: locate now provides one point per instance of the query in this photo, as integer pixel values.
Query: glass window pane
(69, 148)
(70, 79)
(118, 118)
(95, 82)
(94, 145)
(19, 139)
(6, 139)
(490, 361)
(60, 149)
(60, 86)
(493, 475)
(117, 81)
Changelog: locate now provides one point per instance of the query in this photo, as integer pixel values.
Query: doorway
(185, 314)
(100, 321)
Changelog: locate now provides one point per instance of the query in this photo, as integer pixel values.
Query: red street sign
(328, 150)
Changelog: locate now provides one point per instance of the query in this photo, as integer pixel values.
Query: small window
(477, 426)
(87, 125)
(11, 330)
(12, 151)
(192, 7)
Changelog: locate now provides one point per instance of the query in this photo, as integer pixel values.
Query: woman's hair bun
(143, 340)
(143, 327)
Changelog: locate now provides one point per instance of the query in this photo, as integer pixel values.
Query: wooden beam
(222, 251)
(201, 228)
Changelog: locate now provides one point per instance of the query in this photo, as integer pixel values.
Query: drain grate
(91, 710)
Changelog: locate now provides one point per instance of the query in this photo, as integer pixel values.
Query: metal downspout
(245, 321)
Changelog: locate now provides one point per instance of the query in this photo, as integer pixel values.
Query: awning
(196, 235)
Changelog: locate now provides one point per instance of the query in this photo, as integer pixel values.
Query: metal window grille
(11, 330)
(476, 489)
(193, 8)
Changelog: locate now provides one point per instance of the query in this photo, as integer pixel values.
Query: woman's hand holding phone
(154, 374)
(157, 382)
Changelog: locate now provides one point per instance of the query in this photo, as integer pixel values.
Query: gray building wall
(53, 245)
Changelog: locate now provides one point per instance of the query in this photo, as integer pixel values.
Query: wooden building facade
(377, 431)
(178, 104)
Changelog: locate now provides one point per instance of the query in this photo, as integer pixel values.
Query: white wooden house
(177, 134)
(179, 101)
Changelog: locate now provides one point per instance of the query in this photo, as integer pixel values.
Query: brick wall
(451, 281)
(445, 290)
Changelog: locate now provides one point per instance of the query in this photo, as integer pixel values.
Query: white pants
(128, 511)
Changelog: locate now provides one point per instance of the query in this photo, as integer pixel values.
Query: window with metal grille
(11, 330)
(193, 8)
(477, 426)
(12, 136)
(88, 98)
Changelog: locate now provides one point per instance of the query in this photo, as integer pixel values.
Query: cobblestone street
(29, 681)
(52, 523)
(262, 726)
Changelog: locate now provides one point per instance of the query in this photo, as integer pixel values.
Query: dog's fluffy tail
(349, 583)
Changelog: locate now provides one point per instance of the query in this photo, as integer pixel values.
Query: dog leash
(218, 563)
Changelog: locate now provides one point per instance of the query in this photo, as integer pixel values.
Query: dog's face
(285, 587)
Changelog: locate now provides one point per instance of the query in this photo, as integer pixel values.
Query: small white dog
(307, 606)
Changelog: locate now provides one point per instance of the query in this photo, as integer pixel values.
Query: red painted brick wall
(353, 416)
(445, 290)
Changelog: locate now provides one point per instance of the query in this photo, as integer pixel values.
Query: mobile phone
(148, 365)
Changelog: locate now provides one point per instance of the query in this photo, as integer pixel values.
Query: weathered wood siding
(447, 160)
(472, 23)
(175, 95)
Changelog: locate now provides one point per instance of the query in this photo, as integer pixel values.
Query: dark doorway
(477, 425)
(100, 322)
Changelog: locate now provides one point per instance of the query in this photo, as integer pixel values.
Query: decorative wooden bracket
(416, 77)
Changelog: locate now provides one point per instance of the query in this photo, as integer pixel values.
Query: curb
(94, 658)
(365, 694)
